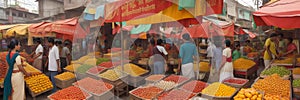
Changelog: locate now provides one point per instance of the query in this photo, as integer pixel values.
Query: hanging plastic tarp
(17, 30)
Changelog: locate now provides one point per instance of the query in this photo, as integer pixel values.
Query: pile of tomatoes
(177, 79)
(94, 86)
(70, 93)
(194, 86)
(178, 94)
(96, 70)
(235, 81)
(147, 92)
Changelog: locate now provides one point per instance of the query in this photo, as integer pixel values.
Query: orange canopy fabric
(283, 14)
(41, 29)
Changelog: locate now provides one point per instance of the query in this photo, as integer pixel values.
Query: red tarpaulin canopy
(283, 14)
(68, 28)
(41, 29)
(208, 29)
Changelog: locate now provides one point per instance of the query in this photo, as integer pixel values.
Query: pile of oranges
(274, 85)
(38, 83)
(65, 76)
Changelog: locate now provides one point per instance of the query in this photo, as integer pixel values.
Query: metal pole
(122, 48)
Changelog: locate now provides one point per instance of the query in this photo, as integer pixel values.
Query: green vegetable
(100, 60)
(83, 68)
(276, 70)
(296, 83)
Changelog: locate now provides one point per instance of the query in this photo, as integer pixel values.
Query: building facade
(74, 8)
(17, 14)
(51, 9)
(242, 15)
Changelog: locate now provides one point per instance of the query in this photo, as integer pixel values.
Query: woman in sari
(226, 70)
(14, 79)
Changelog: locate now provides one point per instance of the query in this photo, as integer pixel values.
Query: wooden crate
(64, 83)
(246, 73)
(121, 89)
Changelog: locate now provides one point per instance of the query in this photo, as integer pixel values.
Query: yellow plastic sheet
(19, 30)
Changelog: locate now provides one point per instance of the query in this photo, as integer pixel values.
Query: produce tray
(134, 97)
(296, 76)
(286, 77)
(234, 84)
(153, 81)
(123, 78)
(219, 98)
(68, 70)
(179, 84)
(89, 97)
(64, 83)
(247, 72)
(36, 94)
(195, 94)
(207, 84)
(91, 75)
(104, 96)
(155, 84)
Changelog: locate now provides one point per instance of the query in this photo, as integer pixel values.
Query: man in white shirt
(53, 62)
(38, 55)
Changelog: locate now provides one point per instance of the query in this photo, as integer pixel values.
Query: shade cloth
(283, 14)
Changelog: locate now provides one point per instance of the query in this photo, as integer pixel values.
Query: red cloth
(283, 14)
(291, 46)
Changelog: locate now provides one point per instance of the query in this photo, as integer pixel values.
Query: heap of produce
(38, 83)
(296, 83)
(282, 71)
(155, 78)
(284, 61)
(273, 97)
(108, 64)
(111, 75)
(235, 81)
(100, 60)
(96, 70)
(176, 93)
(1, 80)
(194, 86)
(243, 64)
(250, 94)
(91, 61)
(165, 85)
(296, 71)
(274, 85)
(3, 68)
(72, 67)
(94, 86)
(177, 79)
(148, 92)
(219, 90)
(252, 54)
(133, 69)
(65, 76)
(298, 60)
(30, 69)
(70, 93)
(81, 60)
(83, 68)
(203, 67)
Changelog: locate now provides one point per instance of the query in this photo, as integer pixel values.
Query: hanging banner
(214, 7)
(125, 10)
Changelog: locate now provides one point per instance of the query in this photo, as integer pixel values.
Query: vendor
(247, 48)
(236, 53)
(291, 48)
(270, 49)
